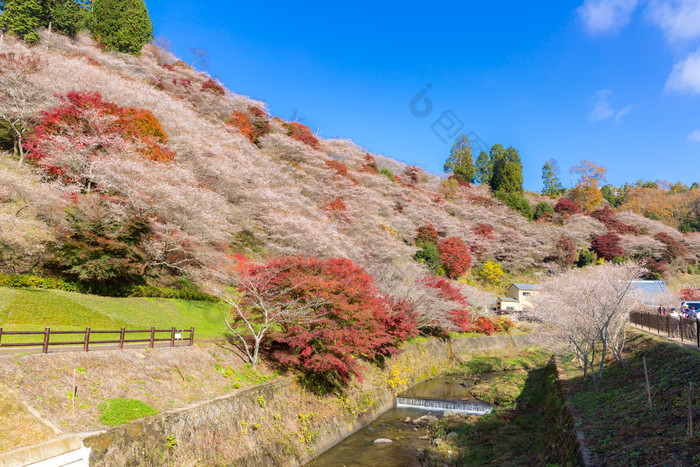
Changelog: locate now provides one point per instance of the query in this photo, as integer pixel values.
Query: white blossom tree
(590, 309)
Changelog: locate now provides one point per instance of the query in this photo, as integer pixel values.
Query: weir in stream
(398, 437)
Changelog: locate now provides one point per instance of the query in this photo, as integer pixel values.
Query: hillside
(199, 191)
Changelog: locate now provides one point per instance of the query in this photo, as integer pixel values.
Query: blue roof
(525, 286)
(650, 292)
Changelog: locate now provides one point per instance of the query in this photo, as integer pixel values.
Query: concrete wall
(416, 363)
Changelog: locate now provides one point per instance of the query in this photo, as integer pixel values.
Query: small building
(508, 304)
(522, 294)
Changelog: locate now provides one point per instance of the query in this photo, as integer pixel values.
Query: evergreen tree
(550, 179)
(64, 16)
(22, 18)
(460, 160)
(483, 169)
(121, 25)
(507, 170)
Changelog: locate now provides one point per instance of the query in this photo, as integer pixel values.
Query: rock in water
(407, 420)
(448, 413)
(382, 440)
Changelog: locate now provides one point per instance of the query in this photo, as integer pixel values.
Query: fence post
(172, 338)
(121, 339)
(681, 326)
(153, 336)
(697, 333)
(0, 337)
(86, 344)
(192, 335)
(658, 326)
(47, 335)
(668, 324)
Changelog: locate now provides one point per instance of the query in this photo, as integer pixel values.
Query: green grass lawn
(35, 309)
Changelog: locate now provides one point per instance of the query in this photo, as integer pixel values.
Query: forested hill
(140, 169)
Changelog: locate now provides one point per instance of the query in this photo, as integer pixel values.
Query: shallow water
(361, 450)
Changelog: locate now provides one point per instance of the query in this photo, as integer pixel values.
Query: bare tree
(20, 100)
(590, 309)
(201, 59)
(259, 304)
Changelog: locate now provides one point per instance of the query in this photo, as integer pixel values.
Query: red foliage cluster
(460, 316)
(655, 269)
(674, 249)
(337, 207)
(480, 200)
(427, 234)
(454, 256)
(72, 119)
(213, 87)
(340, 168)
(353, 320)
(608, 246)
(241, 121)
(607, 217)
(301, 132)
(253, 125)
(25, 63)
(483, 325)
(567, 207)
(483, 230)
(565, 251)
(411, 173)
(690, 294)
(182, 82)
(370, 165)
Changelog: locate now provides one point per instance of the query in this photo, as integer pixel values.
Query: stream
(431, 397)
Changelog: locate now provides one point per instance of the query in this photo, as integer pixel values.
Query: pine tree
(64, 16)
(550, 181)
(507, 170)
(121, 25)
(460, 160)
(22, 18)
(483, 169)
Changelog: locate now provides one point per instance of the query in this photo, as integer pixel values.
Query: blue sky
(613, 81)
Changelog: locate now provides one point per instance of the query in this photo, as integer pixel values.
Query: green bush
(544, 210)
(387, 173)
(428, 255)
(586, 257)
(516, 202)
(119, 411)
(188, 292)
(121, 25)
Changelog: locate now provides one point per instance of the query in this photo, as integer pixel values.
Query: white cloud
(603, 109)
(694, 136)
(685, 76)
(678, 19)
(606, 16)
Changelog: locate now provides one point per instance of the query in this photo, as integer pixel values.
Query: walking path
(675, 340)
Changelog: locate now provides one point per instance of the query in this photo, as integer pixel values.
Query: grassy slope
(35, 309)
(17, 425)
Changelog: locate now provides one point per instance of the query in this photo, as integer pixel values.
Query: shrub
(565, 251)
(241, 121)
(427, 234)
(607, 246)
(690, 294)
(93, 127)
(460, 317)
(503, 324)
(483, 325)
(213, 87)
(121, 25)
(566, 207)
(608, 218)
(387, 173)
(428, 255)
(484, 231)
(586, 257)
(302, 133)
(118, 411)
(543, 211)
(352, 320)
(516, 202)
(260, 121)
(674, 249)
(340, 168)
(370, 165)
(491, 273)
(454, 256)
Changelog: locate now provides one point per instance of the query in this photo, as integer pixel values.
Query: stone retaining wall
(278, 407)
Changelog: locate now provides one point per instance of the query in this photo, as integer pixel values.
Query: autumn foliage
(608, 246)
(213, 87)
(352, 321)
(567, 207)
(427, 234)
(690, 294)
(301, 132)
(460, 316)
(97, 127)
(608, 218)
(454, 256)
(673, 250)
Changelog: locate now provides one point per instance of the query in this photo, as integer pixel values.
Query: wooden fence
(685, 328)
(176, 335)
